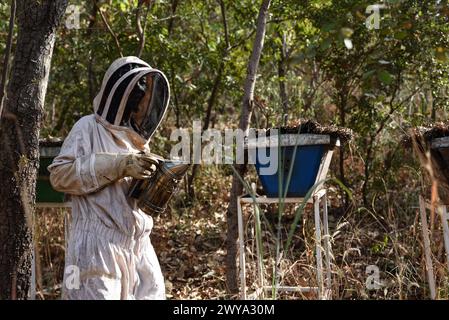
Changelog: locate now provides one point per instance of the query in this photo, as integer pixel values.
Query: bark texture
(19, 140)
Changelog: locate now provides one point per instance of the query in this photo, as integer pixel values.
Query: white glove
(139, 166)
(110, 167)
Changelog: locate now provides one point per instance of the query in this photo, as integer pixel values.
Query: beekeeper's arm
(77, 171)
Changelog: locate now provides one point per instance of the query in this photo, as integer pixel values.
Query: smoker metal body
(154, 193)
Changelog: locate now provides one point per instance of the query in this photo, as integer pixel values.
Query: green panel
(44, 162)
(44, 190)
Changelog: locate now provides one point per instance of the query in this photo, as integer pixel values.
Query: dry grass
(189, 240)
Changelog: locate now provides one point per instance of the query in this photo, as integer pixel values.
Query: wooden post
(427, 248)
(242, 250)
(327, 246)
(444, 221)
(319, 258)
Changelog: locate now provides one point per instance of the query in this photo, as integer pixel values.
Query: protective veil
(109, 254)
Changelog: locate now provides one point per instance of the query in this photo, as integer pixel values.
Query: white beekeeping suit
(109, 241)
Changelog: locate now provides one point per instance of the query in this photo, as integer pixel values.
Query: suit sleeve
(73, 170)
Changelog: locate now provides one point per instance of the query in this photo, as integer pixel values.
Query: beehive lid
(287, 140)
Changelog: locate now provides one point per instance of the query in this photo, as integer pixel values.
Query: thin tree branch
(117, 43)
(141, 29)
(90, 67)
(172, 17)
(225, 24)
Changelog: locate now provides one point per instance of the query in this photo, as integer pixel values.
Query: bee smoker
(154, 193)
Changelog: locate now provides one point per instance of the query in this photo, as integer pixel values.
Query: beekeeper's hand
(110, 167)
(92, 172)
(139, 166)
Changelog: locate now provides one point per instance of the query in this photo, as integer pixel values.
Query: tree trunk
(19, 140)
(174, 6)
(245, 118)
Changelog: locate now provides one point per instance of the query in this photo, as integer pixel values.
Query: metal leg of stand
(427, 249)
(259, 248)
(444, 221)
(327, 248)
(241, 250)
(319, 257)
(321, 230)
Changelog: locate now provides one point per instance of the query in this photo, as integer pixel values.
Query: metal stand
(441, 210)
(321, 233)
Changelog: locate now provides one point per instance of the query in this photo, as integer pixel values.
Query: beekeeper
(108, 241)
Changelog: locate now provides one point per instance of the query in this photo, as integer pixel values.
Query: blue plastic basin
(305, 170)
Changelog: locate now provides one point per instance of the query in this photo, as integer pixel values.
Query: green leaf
(368, 74)
(328, 27)
(441, 54)
(400, 35)
(385, 77)
(326, 44)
